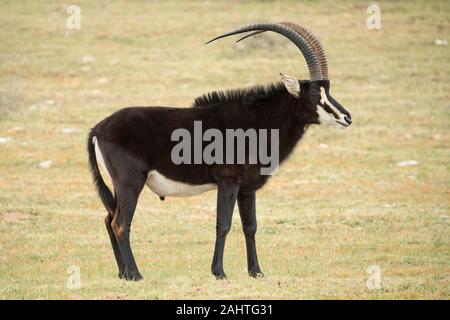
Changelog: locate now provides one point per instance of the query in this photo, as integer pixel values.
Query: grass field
(340, 204)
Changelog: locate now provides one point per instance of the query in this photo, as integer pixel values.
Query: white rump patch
(99, 157)
(163, 186)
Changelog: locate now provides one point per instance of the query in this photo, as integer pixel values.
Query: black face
(321, 106)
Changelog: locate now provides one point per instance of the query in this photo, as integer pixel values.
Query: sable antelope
(135, 147)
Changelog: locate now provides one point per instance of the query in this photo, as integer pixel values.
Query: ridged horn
(312, 40)
(315, 71)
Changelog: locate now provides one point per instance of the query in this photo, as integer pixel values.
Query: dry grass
(328, 214)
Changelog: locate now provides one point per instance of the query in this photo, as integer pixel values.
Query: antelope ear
(292, 84)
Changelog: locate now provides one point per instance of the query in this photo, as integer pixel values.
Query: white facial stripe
(325, 117)
(324, 100)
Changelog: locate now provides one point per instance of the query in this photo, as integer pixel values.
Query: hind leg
(115, 245)
(128, 175)
(127, 197)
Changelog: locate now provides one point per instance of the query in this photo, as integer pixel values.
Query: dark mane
(244, 97)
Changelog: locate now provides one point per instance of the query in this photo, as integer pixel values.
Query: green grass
(326, 217)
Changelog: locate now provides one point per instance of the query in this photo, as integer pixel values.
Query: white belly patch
(163, 186)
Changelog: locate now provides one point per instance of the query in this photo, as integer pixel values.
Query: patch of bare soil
(14, 217)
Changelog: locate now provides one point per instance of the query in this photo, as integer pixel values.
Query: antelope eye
(314, 92)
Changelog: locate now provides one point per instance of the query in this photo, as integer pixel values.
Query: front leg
(247, 210)
(226, 199)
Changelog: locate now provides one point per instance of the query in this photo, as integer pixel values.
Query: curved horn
(250, 35)
(315, 44)
(315, 71)
(312, 40)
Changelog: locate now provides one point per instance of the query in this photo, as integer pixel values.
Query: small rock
(45, 164)
(102, 80)
(323, 146)
(88, 59)
(32, 108)
(69, 130)
(50, 102)
(407, 163)
(114, 62)
(5, 140)
(440, 42)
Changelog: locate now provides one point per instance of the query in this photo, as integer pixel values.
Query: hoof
(257, 274)
(135, 276)
(220, 276)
